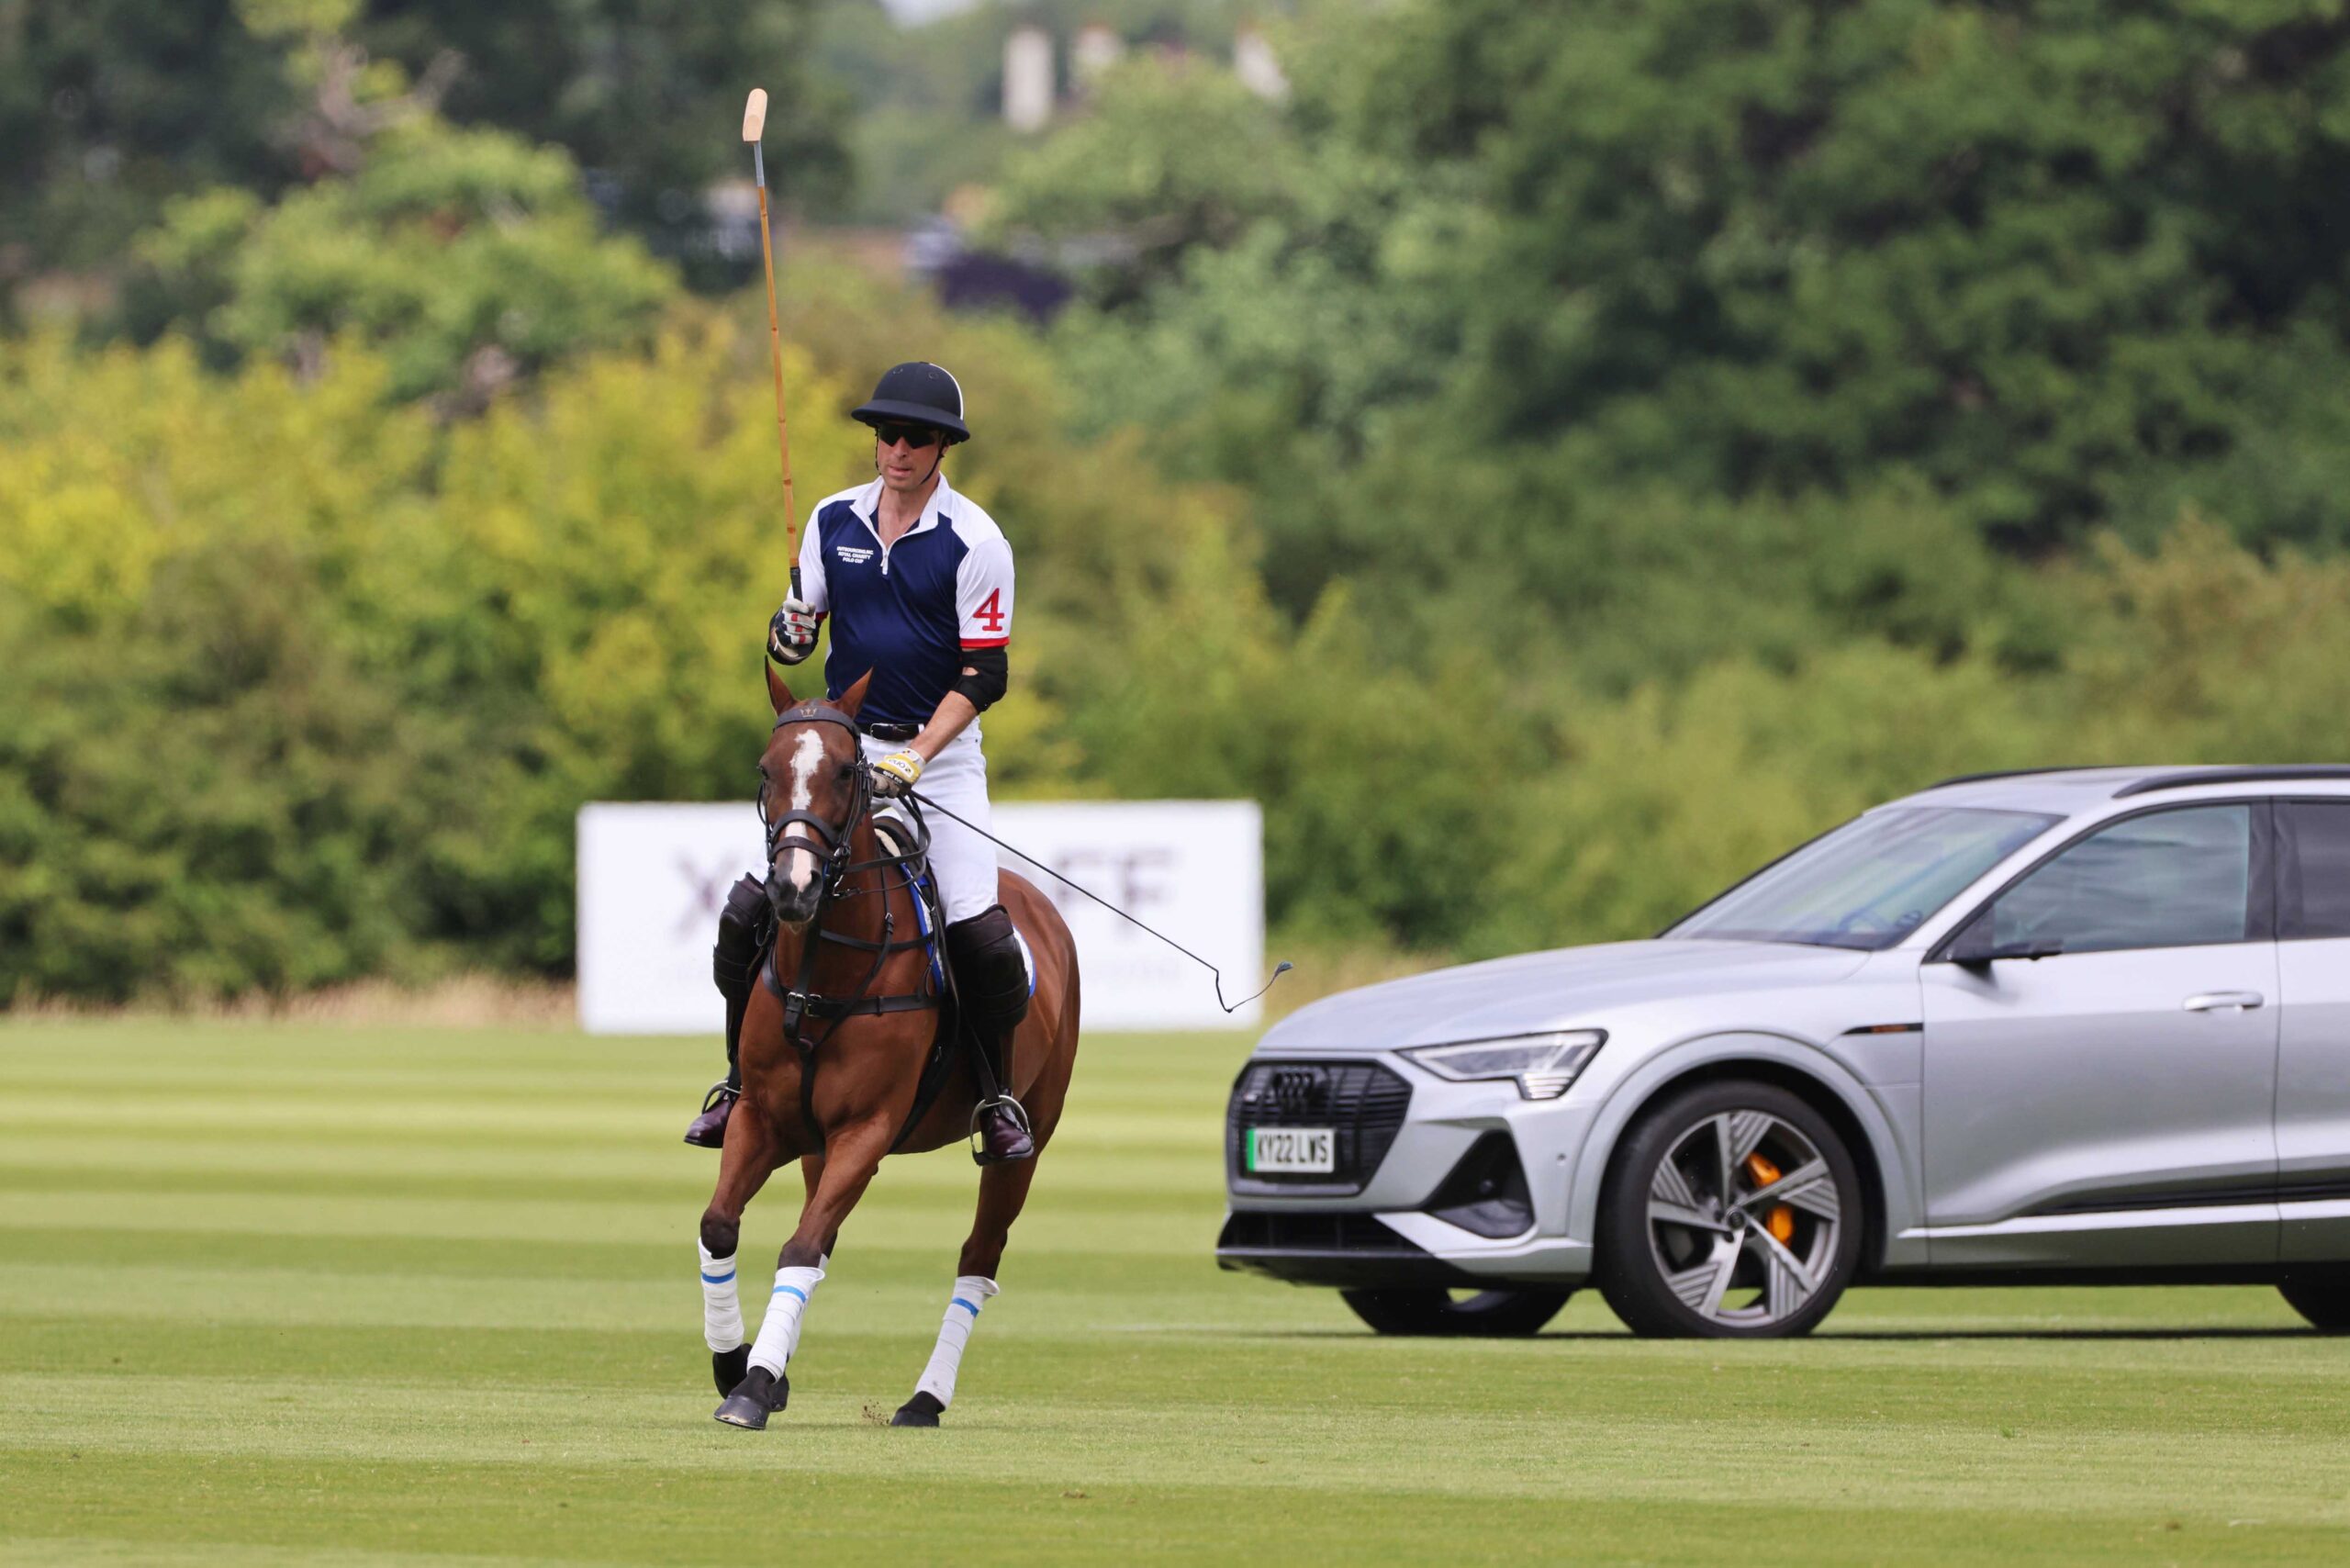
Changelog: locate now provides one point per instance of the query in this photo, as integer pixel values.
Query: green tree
(469, 257)
(2069, 265)
(1176, 156)
(110, 106)
(646, 95)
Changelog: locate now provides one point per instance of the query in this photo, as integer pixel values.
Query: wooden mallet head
(754, 114)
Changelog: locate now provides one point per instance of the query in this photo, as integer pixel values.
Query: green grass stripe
(782, 1512)
(276, 1294)
(2243, 1467)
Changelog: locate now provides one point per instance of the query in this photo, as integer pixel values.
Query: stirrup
(708, 1128)
(1019, 1118)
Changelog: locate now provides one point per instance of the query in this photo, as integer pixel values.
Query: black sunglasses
(918, 437)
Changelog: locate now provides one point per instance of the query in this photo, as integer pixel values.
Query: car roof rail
(2331, 771)
(2014, 773)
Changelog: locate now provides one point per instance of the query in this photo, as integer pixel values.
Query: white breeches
(963, 862)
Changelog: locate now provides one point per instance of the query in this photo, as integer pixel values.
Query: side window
(2180, 879)
(2316, 864)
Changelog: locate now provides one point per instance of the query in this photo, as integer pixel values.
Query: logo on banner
(1132, 879)
(705, 892)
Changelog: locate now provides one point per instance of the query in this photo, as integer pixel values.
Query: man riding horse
(917, 581)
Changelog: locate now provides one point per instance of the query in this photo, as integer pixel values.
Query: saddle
(899, 838)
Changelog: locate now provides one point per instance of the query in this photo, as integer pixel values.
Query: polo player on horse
(917, 581)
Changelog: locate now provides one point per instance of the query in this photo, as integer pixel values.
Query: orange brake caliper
(1780, 1221)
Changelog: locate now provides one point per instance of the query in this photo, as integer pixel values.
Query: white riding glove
(791, 635)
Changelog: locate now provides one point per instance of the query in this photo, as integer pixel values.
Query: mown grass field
(279, 1294)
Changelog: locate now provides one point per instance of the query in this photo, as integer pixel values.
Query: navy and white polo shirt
(908, 612)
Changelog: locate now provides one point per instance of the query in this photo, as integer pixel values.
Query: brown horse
(839, 1098)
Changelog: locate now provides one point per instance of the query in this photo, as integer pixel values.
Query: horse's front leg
(747, 1158)
(811, 1172)
(851, 1154)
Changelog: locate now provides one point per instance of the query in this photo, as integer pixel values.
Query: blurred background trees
(1554, 457)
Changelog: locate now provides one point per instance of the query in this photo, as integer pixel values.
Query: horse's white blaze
(970, 1293)
(807, 755)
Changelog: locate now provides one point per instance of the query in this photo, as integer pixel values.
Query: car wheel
(1436, 1311)
(2324, 1299)
(1731, 1210)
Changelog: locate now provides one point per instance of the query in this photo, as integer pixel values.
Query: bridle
(832, 844)
(827, 841)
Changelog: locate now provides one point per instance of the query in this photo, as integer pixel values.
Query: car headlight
(1544, 1064)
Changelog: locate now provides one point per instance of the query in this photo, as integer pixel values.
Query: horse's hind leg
(1003, 1190)
(748, 1158)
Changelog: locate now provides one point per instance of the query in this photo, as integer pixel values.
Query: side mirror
(1971, 948)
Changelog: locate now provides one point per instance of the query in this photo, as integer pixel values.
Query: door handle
(2223, 1001)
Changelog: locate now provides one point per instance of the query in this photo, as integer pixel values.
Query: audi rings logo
(1294, 1090)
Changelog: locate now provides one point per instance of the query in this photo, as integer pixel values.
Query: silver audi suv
(2067, 1027)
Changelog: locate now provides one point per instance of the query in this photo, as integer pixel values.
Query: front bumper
(1356, 1249)
(1438, 1183)
(1328, 1249)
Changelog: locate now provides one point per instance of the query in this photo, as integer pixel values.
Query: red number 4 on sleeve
(989, 614)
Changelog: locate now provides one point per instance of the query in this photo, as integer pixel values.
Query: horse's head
(811, 788)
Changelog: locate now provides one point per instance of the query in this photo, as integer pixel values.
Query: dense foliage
(1561, 459)
(2067, 265)
(108, 108)
(468, 257)
(930, 99)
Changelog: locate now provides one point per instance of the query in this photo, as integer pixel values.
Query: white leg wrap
(722, 1311)
(971, 1292)
(780, 1329)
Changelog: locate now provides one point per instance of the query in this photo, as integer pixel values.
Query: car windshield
(1871, 882)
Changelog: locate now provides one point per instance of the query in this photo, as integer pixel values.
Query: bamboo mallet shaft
(755, 121)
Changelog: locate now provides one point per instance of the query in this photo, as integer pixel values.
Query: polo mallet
(755, 121)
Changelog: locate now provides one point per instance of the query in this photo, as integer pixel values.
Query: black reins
(832, 845)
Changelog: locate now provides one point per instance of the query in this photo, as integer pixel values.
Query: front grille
(1362, 1104)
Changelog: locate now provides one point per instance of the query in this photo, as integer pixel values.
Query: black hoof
(922, 1410)
(760, 1394)
(730, 1368)
(740, 1410)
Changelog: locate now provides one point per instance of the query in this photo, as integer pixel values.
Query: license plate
(1292, 1150)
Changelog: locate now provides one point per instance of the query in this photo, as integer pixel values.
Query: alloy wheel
(1743, 1219)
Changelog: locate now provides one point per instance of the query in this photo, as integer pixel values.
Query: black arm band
(986, 672)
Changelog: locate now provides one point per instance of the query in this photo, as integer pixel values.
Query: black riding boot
(991, 982)
(732, 963)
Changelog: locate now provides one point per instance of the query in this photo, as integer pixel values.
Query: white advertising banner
(653, 878)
